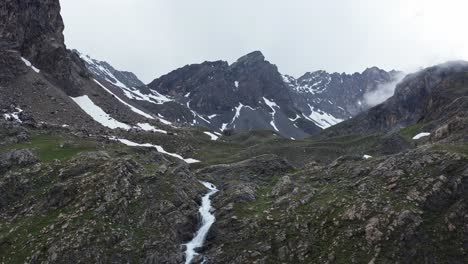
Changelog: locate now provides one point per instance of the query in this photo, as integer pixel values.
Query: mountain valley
(223, 163)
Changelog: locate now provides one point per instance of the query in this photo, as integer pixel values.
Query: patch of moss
(458, 148)
(410, 131)
(51, 147)
(16, 247)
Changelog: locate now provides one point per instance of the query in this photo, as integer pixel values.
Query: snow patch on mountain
(154, 97)
(29, 64)
(295, 119)
(13, 116)
(134, 109)
(322, 119)
(148, 127)
(97, 68)
(421, 135)
(195, 114)
(224, 126)
(212, 136)
(272, 105)
(314, 83)
(157, 147)
(98, 114)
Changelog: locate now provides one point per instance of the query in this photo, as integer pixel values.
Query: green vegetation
(455, 148)
(410, 131)
(20, 241)
(257, 207)
(55, 147)
(243, 146)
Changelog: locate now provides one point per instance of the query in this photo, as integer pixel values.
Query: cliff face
(35, 29)
(31, 26)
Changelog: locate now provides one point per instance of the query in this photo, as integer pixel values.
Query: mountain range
(198, 166)
(248, 95)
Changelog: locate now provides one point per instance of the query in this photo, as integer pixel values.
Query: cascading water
(207, 221)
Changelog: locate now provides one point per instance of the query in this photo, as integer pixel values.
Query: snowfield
(148, 127)
(212, 136)
(98, 114)
(322, 119)
(105, 119)
(421, 135)
(272, 105)
(14, 116)
(134, 109)
(157, 147)
(29, 64)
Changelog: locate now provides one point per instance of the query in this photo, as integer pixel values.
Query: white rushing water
(207, 221)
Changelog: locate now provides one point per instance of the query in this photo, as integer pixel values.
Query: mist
(382, 92)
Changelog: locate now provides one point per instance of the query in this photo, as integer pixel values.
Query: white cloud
(382, 92)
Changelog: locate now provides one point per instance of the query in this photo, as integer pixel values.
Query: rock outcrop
(35, 30)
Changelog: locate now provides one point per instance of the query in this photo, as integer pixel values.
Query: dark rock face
(218, 86)
(35, 30)
(10, 66)
(31, 26)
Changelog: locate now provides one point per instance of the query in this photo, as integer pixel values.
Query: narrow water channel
(207, 220)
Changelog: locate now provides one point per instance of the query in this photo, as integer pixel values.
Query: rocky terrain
(94, 167)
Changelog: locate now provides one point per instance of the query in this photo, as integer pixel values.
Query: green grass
(458, 148)
(19, 246)
(51, 147)
(410, 131)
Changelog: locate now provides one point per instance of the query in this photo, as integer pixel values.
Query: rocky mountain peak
(377, 73)
(413, 93)
(103, 70)
(314, 74)
(371, 70)
(251, 58)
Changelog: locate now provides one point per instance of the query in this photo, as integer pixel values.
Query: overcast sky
(154, 37)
